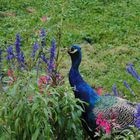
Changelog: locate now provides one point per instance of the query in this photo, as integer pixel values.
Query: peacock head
(76, 55)
(74, 50)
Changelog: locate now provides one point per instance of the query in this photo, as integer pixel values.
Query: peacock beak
(72, 51)
(69, 50)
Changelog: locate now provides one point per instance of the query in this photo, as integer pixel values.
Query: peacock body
(108, 105)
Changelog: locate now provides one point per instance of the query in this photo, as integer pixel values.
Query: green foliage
(131, 133)
(31, 115)
(128, 134)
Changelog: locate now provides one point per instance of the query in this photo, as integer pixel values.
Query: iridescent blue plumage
(81, 89)
(98, 104)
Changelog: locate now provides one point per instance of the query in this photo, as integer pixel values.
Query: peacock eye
(72, 49)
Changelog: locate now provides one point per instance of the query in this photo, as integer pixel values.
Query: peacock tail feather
(122, 110)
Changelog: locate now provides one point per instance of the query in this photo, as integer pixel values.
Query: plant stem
(37, 72)
(60, 33)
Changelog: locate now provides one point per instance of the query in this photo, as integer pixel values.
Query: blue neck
(79, 85)
(74, 75)
(76, 60)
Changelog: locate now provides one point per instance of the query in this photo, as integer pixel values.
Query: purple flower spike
(22, 59)
(35, 48)
(43, 35)
(130, 69)
(18, 51)
(18, 44)
(10, 53)
(19, 54)
(137, 117)
(114, 89)
(130, 64)
(128, 87)
(52, 56)
(44, 58)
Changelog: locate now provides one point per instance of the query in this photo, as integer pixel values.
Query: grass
(112, 26)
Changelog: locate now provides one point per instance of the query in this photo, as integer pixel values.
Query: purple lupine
(114, 89)
(42, 56)
(10, 54)
(18, 43)
(35, 48)
(43, 35)
(137, 116)
(129, 88)
(22, 58)
(19, 53)
(130, 64)
(52, 56)
(130, 69)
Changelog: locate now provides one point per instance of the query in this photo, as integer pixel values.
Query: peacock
(95, 104)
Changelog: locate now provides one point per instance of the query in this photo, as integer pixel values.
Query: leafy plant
(27, 114)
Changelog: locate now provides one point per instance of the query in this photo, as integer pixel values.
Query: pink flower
(108, 128)
(103, 123)
(11, 77)
(99, 118)
(44, 19)
(100, 115)
(9, 73)
(99, 91)
(43, 80)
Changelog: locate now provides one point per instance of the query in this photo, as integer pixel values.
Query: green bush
(52, 115)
